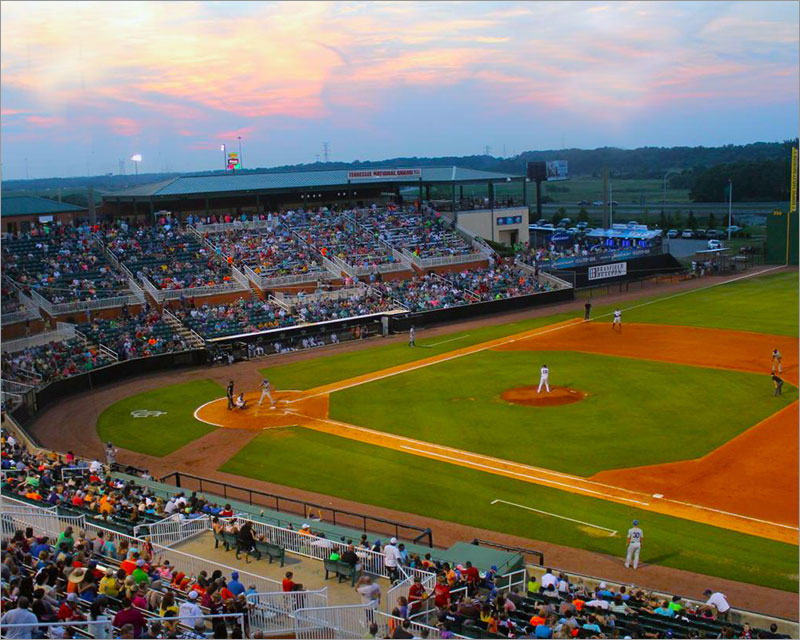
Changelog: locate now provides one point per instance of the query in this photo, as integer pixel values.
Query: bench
(342, 570)
(231, 541)
(274, 551)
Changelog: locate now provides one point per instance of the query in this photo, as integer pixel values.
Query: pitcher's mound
(528, 397)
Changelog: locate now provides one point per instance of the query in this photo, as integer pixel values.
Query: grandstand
(94, 549)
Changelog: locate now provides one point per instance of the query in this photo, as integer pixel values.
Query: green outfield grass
(639, 412)
(161, 435)
(767, 304)
(383, 477)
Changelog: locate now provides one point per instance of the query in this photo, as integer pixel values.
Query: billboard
(556, 170)
(612, 270)
(233, 162)
(377, 174)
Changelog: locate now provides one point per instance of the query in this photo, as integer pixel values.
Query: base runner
(266, 391)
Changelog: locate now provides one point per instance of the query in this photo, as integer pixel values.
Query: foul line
(436, 344)
(500, 471)
(532, 333)
(555, 515)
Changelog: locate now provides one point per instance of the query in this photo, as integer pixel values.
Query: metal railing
(175, 294)
(62, 308)
(20, 316)
(59, 335)
(157, 294)
(274, 612)
(193, 336)
(172, 529)
(240, 278)
(347, 621)
(236, 225)
(301, 507)
(272, 282)
(521, 550)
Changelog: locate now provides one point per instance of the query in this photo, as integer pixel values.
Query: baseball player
(229, 394)
(776, 360)
(543, 379)
(617, 322)
(111, 454)
(635, 537)
(266, 391)
(412, 337)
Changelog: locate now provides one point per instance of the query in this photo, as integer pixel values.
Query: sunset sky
(87, 84)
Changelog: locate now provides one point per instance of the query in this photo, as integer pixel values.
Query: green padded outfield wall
(777, 230)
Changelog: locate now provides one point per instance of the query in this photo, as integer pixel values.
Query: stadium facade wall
(635, 269)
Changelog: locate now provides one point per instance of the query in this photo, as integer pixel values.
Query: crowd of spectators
(62, 263)
(51, 361)
(424, 233)
(168, 255)
(134, 336)
(358, 302)
(241, 316)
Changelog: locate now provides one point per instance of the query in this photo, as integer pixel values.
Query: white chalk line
(737, 515)
(524, 475)
(555, 515)
(530, 334)
(436, 344)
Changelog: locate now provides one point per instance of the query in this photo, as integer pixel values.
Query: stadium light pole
(224, 158)
(136, 158)
(241, 164)
(730, 206)
(664, 194)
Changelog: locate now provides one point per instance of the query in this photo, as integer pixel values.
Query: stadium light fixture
(136, 158)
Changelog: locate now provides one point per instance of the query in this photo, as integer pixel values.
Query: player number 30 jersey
(635, 534)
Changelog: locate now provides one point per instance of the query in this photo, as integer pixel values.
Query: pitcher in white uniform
(265, 391)
(543, 379)
(635, 537)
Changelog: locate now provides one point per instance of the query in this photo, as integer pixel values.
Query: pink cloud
(125, 126)
(12, 112)
(234, 133)
(45, 121)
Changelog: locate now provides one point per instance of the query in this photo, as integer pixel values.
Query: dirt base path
(761, 461)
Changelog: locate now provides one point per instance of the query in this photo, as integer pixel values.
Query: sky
(85, 85)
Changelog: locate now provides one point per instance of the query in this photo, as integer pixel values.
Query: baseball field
(671, 420)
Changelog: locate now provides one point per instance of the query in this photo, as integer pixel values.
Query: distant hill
(645, 162)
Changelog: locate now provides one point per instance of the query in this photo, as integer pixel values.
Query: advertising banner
(608, 270)
(378, 174)
(556, 170)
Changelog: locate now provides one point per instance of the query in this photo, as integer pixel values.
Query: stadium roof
(260, 182)
(34, 206)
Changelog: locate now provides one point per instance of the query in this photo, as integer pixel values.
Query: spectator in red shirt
(288, 584)
(128, 615)
(473, 577)
(416, 594)
(441, 593)
(69, 609)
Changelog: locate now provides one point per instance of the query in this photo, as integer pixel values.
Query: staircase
(190, 337)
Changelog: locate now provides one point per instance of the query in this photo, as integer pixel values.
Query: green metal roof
(33, 206)
(205, 185)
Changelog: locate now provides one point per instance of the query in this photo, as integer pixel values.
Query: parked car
(734, 229)
(582, 225)
(573, 230)
(687, 233)
(598, 203)
(700, 233)
(548, 225)
(714, 244)
(541, 223)
(561, 224)
(567, 220)
(672, 233)
(632, 223)
(713, 233)
(614, 203)
(583, 203)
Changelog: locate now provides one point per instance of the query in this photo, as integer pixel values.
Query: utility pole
(122, 167)
(730, 207)
(605, 199)
(317, 158)
(487, 150)
(325, 151)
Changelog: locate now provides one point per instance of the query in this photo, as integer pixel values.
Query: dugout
(782, 237)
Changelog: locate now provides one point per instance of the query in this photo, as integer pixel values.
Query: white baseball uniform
(412, 337)
(543, 380)
(776, 359)
(617, 318)
(265, 391)
(635, 536)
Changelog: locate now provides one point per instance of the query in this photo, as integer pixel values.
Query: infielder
(776, 360)
(266, 391)
(543, 379)
(412, 337)
(617, 322)
(635, 537)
